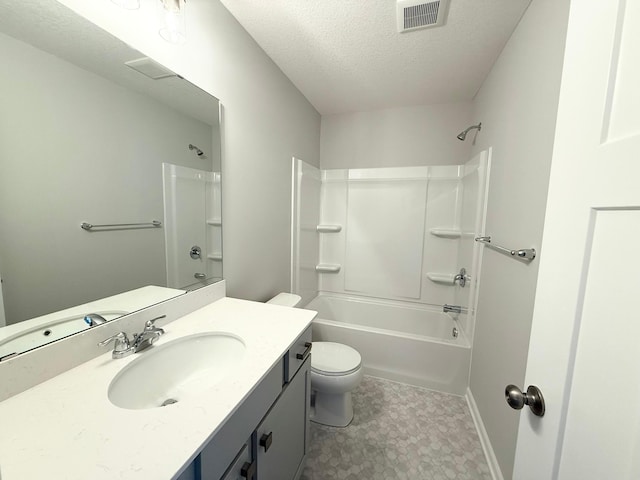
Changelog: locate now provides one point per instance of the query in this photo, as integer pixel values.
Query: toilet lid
(330, 358)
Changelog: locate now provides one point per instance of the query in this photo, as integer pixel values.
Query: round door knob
(533, 398)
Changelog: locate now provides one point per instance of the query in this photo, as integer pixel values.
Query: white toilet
(336, 370)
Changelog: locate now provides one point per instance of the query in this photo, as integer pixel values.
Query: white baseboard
(492, 461)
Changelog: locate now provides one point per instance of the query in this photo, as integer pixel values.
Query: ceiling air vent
(150, 68)
(413, 15)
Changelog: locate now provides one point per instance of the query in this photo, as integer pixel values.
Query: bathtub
(400, 341)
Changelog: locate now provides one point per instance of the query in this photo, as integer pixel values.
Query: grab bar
(446, 308)
(523, 253)
(120, 226)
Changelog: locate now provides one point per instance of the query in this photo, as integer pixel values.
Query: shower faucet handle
(462, 277)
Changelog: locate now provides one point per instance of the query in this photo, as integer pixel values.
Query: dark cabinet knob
(265, 440)
(248, 470)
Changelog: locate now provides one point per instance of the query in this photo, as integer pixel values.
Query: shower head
(462, 135)
(199, 152)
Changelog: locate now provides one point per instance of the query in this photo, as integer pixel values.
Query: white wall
(408, 136)
(517, 105)
(90, 152)
(266, 122)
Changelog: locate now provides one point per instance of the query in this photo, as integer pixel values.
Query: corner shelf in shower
(214, 222)
(328, 268)
(442, 278)
(215, 256)
(445, 232)
(329, 228)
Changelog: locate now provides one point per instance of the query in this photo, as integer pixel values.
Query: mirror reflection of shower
(199, 152)
(462, 135)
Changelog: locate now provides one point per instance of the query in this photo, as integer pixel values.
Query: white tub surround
(66, 427)
(400, 233)
(410, 343)
(305, 229)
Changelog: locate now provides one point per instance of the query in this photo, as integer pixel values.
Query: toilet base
(332, 409)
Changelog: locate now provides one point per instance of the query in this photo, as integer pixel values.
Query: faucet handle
(122, 345)
(150, 325)
(120, 338)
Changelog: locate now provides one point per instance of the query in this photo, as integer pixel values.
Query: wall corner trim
(492, 461)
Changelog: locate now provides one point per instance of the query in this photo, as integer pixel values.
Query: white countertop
(66, 428)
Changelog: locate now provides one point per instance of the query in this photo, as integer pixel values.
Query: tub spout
(446, 308)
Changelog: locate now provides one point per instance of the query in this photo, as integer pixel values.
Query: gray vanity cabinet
(279, 407)
(282, 435)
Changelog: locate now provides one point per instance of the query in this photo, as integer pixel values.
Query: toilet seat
(334, 359)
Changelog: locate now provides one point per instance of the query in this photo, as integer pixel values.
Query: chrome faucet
(93, 319)
(124, 347)
(149, 335)
(446, 308)
(121, 348)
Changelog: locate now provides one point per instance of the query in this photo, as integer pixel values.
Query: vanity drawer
(298, 353)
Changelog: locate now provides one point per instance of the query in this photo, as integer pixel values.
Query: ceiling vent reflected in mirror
(150, 68)
(415, 15)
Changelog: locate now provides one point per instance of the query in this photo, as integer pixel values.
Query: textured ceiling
(347, 56)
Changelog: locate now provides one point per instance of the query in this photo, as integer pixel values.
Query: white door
(584, 353)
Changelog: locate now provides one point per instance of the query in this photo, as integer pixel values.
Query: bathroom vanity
(251, 421)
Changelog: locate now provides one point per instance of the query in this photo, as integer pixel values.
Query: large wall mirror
(93, 132)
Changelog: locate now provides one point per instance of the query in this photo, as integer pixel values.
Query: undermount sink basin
(166, 374)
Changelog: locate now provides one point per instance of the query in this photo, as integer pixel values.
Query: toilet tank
(286, 299)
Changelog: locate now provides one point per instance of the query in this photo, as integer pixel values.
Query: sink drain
(169, 401)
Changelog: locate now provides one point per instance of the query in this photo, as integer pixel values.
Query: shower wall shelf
(120, 226)
(327, 268)
(215, 222)
(215, 256)
(445, 232)
(527, 254)
(443, 278)
(329, 228)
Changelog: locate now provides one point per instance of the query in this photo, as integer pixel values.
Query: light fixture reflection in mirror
(173, 26)
(128, 4)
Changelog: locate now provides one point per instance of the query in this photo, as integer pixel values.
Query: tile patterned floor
(398, 432)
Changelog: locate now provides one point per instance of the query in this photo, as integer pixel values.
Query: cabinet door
(282, 435)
